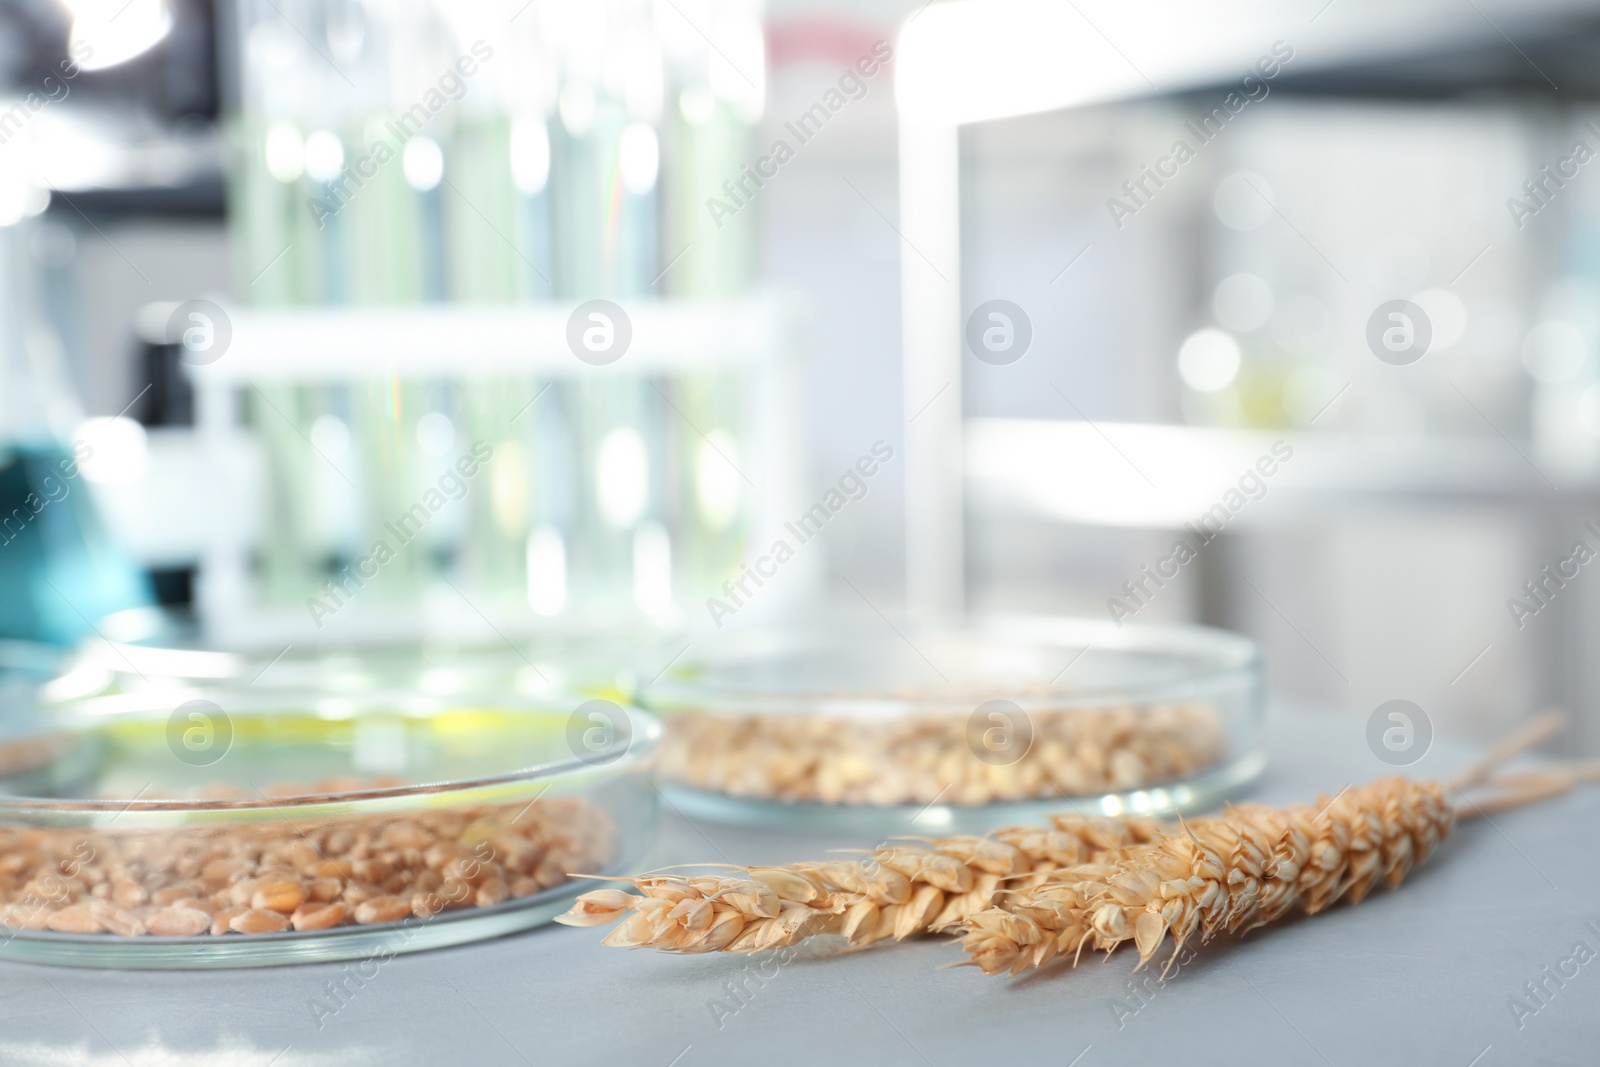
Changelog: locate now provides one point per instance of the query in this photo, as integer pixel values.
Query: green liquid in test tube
(489, 265)
(711, 140)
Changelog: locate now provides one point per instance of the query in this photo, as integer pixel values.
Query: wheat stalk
(1227, 874)
(896, 891)
(1022, 897)
(1251, 865)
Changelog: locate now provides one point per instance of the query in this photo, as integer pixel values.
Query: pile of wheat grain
(279, 873)
(917, 759)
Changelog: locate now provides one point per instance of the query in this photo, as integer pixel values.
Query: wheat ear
(1023, 896)
(895, 891)
(1251, 865)
(1229, 873)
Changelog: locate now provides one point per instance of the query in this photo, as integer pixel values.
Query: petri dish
(348, 826)
(869, 727)
(590, 662)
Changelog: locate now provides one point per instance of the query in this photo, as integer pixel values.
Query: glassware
(59, 571)
(307, 826)
(874, 728)
(569, 659)
(539, 170)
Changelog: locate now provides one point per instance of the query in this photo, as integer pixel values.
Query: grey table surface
(1425, 975)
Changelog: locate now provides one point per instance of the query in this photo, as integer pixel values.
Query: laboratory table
(1430, 974)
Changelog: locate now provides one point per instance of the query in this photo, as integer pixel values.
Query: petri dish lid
(879, 668)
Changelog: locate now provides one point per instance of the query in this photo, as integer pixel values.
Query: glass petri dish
(589, 662)
(873, 728)
(344, 826)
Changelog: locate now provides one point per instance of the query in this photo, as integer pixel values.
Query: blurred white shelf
(1139, 475)
(320, 344)
(965, 62)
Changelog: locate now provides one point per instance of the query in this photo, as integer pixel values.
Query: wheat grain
(377, 868)
(921, 758)
(895, 892)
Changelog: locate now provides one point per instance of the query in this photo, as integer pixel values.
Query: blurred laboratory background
(274, 273)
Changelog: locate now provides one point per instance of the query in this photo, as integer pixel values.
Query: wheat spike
(896, 891)
(1225, 874)
(1021, 897)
